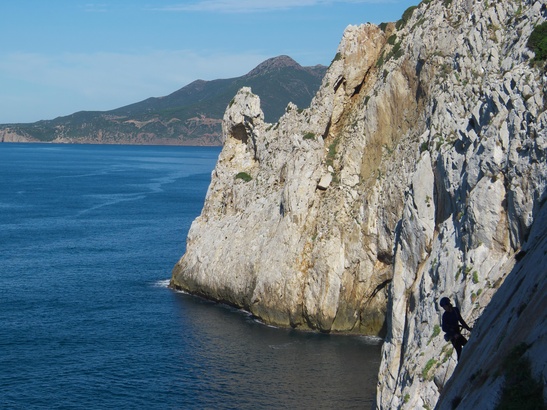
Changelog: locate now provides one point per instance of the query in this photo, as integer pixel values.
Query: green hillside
(189, 116)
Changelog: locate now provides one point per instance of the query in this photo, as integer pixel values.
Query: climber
(451, 325)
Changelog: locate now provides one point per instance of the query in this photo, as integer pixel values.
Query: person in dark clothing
(451, 325)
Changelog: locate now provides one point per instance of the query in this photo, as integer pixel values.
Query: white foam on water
(163, 283)
(372, 340)
(260, 322)
(111, 200)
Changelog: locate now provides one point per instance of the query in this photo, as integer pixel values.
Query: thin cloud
(255, 6)
(95, 8)
(104, 81)
(103, 72)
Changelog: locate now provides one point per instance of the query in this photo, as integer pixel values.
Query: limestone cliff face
(419, 171)
(303, 243)
(476, 190)
(511, 329)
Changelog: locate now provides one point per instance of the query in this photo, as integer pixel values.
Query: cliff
(419, 171)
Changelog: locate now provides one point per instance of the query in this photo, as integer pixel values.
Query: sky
(58, 57)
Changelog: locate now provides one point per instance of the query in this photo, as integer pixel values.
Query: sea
(89, 235)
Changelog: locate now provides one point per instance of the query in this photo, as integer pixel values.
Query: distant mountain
(189, 116)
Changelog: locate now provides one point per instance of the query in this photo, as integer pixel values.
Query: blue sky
(62, 56)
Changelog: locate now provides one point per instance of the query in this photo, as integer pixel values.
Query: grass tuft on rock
(244, 176)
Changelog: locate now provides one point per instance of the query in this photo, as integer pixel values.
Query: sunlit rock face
(419, 171)
(286, 231)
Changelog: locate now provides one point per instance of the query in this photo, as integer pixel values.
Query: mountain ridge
(190, 115)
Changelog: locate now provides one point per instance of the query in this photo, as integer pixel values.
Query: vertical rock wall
(477, 186)
(417, 172)
(289, 230)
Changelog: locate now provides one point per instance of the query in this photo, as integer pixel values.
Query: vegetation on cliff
(538, 42)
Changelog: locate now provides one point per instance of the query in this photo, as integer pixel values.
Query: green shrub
(406, 16)
(309, 136)
(394, 53)
(458, 272)
(244, 176)
(397, 51)
(467, 270)
(448, 354)
(337, 57)
(380, 61)
(520, 390)
(475, 277)
(427, 368)
(538, 42)
(332, 151)
(436, 331)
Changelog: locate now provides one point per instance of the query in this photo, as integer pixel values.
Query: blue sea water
(88, 237)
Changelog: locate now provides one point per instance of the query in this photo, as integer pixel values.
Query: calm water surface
(88, 237)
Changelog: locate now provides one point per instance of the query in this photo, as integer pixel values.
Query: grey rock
(437, 158)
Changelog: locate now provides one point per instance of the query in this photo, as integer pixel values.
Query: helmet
(444, 302)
